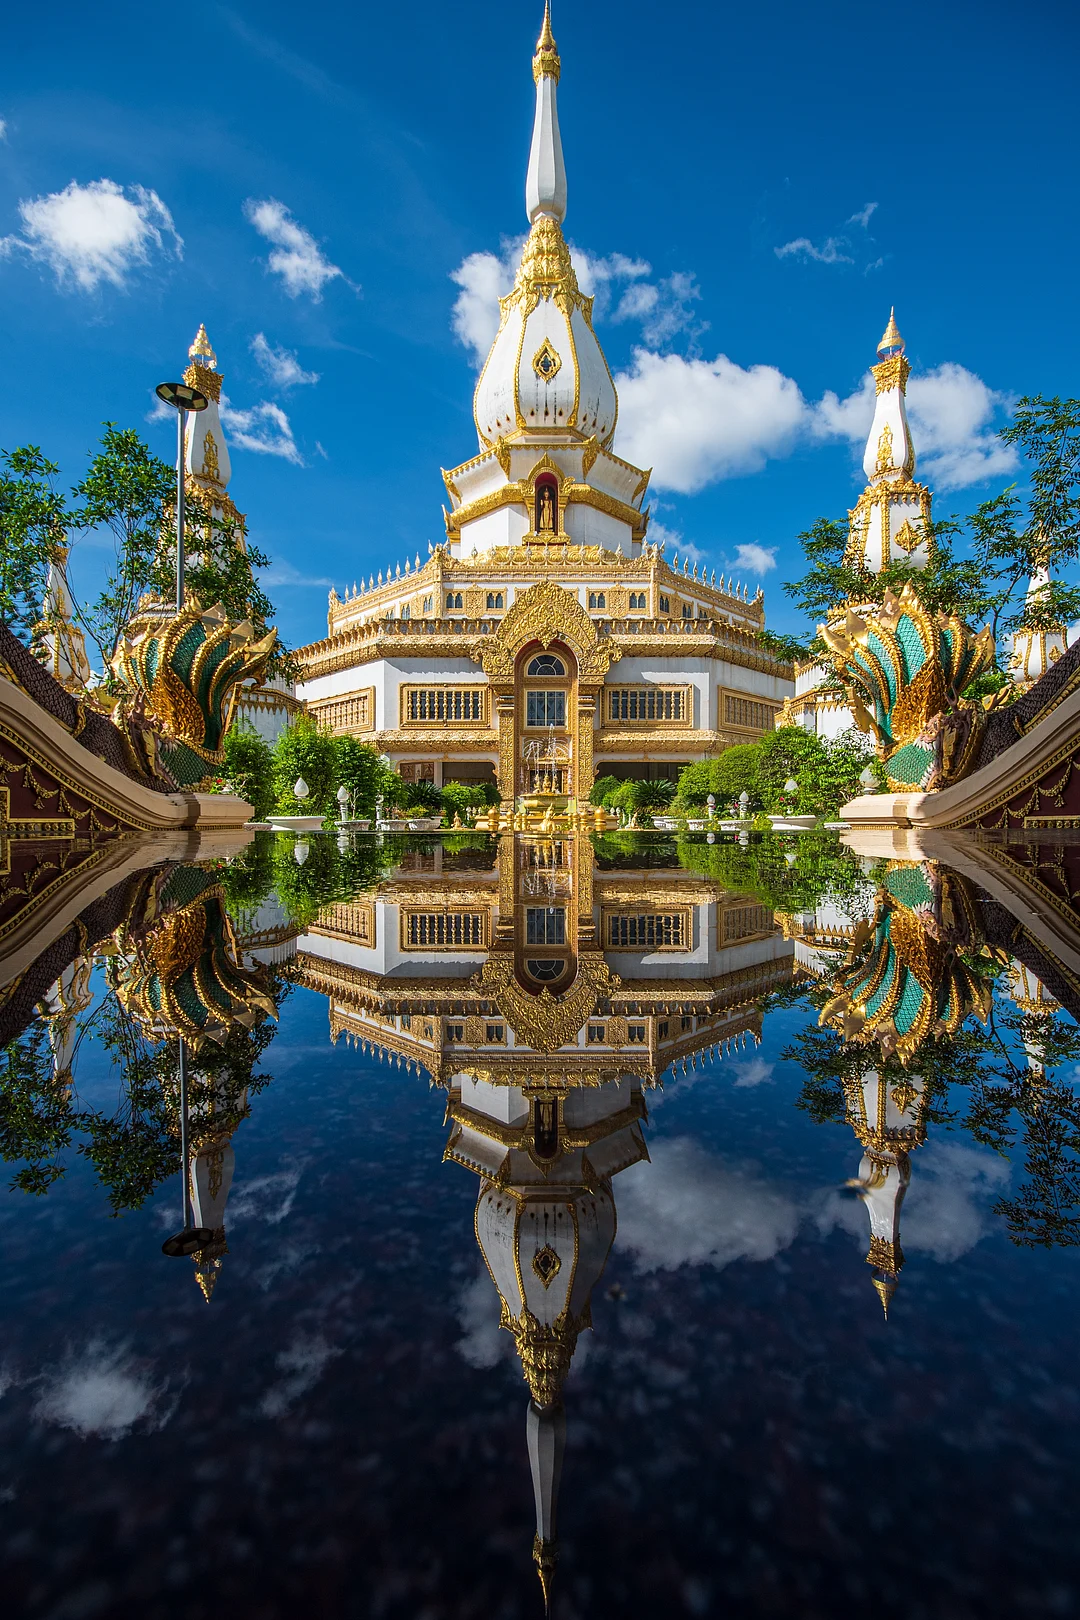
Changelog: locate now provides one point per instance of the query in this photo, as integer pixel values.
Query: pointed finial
(885, 1288)
(545, 1557)
(891, 339)
(201, 351)
(546, 60)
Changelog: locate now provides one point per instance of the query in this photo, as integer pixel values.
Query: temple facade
(545, 639)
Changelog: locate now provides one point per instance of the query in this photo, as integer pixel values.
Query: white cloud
(755, 559)
(828, 253)
(697, 421)
(264, 428)
(751, 1072)
(280, 365)
(483, 1342)
(688, 1208)
(617, 284)
(952, 412)
(302, 1364)
(297, 257)
(94, 233)
(281, 572)
(3, 129)
(863, 216)
(266, 1199)
(100, 1392)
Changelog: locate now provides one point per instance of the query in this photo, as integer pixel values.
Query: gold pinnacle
(891, 338)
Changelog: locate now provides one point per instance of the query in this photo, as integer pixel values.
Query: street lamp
(182, 399)
(192, 1238)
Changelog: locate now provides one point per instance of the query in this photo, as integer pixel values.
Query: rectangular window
(746, 712)
(496, 1034)
(545, 708)
(443, 705)
(354, 711)
(647, 931)
(635, 1034)
(742, 922)
(444, 930)
(455, 1032)
(632, 705)
(596, 1035)
(662, 1030)
(545, 925)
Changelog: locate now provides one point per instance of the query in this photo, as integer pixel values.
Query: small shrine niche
(546, 501)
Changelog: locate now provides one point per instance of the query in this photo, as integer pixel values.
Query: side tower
(888, 523)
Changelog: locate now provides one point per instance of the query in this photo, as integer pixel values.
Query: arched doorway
(545, 719)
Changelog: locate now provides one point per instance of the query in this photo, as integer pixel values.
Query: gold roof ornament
(885, 1288)
(201, 350)
(891, 339)
(546, 60)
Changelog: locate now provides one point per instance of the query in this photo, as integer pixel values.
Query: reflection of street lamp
(192, 1238)
(182, 399)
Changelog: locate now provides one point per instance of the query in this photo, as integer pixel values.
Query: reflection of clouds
(101, 1391)
(754, 1072)
(265, 1198)
(302, 1364)
(688, 1208)
(946, 1208)
(285, 1262)
(483, 1343)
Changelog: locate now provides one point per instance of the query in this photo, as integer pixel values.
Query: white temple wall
(586, 526)
(507, 526)
(698, 673)
(753, 682)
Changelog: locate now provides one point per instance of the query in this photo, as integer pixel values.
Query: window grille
(740, 922)
(745, 712)
(460, 705)
(647, 931)
(546, 664)
(352, 712)
(445, 930)
(638, 703)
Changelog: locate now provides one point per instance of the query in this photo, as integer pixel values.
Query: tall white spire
(888, 525)
(545, 182)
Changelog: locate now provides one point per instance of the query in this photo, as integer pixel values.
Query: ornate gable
(546, 613)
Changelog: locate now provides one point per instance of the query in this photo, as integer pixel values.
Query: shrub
(420, 798)
(359, 767)
(249, 765)
(308, 751)
(603, 790)
(733, 772)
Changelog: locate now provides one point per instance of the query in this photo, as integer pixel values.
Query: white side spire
(545, 182)
(888, 525)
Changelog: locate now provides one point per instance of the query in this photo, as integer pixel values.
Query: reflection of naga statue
(545, 1223)
(904, 670)
(904, 982)
(186, 666)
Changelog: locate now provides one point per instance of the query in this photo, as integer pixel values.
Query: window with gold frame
(648, 705)
(669, 929)
(450, 929)
(430, 705)
(347, 713)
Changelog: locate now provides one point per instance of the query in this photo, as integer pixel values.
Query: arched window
(598, 599)
(545, 664)
(494, 599)
(429, 603)
(545, 969)
(637, 601)
(406, 612)
(453, 599)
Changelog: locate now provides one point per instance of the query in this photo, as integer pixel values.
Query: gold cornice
(405, 740)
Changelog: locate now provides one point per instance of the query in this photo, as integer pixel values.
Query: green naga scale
(187, 666)
(904, 670)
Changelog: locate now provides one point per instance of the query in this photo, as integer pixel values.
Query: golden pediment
(543, 1021)
(546, 612)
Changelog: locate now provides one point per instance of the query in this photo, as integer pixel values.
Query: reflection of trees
(820, 867)
(172, 969)
(978, 1080)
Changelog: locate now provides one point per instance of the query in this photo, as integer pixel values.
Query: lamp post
(182, 399)
(192, 1238)
(343, 799)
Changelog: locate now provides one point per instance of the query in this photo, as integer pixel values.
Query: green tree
(727, 776)
(33, 516)
(360, 768)
(305, 750)
(603, 788)
(249, 765)
(126, 492)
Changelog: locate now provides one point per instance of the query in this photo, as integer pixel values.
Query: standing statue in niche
(545, 523)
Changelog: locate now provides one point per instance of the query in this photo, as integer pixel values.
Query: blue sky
(750, 190)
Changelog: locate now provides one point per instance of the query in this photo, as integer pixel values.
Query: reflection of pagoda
(903, 982)
(62, 1007)
(544, 996)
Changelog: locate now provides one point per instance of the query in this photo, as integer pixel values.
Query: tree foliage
(33, 520)
(827, 773)
(249, 765)
(305, 750)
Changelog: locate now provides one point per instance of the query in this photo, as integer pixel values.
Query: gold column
(583, 776)
(505, 703)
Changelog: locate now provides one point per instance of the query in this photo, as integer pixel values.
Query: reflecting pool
(627, 1226)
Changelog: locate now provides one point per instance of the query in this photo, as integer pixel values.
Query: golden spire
(545, 1557)
(885, 1288)
(546, 60)
(891, 338)
(202, 372)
